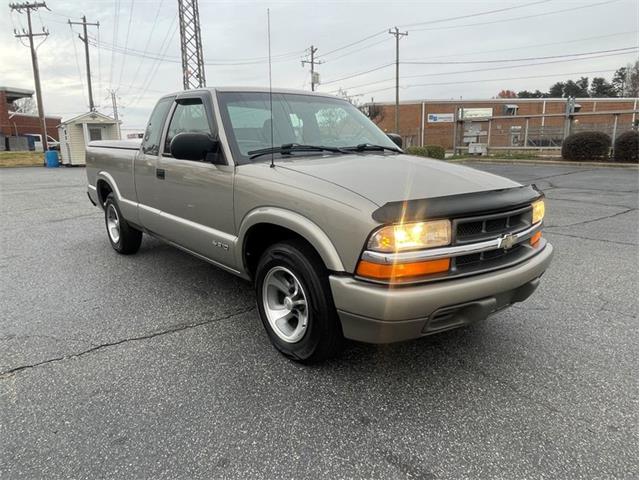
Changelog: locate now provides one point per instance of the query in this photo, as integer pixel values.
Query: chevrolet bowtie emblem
(508, 241)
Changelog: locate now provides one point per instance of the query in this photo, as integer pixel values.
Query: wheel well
(103, 189)
(260, 237)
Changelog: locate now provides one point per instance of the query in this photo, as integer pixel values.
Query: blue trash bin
(51, 159)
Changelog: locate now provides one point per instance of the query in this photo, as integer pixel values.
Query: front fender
(296, 223)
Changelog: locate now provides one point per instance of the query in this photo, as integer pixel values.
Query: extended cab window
(151, 140)
(189, 116)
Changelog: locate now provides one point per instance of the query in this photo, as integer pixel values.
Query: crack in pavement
(562, 174)
(582, 202)
(584, 222)
(176, 328)
(592, 239)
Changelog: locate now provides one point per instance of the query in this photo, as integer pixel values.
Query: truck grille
(476, 259)
(487, 227)
(474, 229)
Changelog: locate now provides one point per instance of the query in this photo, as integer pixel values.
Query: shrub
(626, 147)
(431, 151)
(586, 146)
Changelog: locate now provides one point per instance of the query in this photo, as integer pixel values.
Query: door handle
(160, 173)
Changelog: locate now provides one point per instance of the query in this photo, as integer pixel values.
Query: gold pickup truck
(342, 233)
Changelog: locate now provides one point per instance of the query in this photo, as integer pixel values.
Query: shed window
(95, 134)
(511, 110)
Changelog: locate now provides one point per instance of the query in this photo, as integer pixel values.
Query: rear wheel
(295, 302)
(123, 237)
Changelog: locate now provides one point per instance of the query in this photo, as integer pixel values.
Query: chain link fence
(536, 133)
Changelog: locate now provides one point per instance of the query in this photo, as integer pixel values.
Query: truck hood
(387, 178)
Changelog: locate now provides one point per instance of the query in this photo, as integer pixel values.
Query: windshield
(297, 119)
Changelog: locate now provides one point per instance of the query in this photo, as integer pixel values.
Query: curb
(505, 161)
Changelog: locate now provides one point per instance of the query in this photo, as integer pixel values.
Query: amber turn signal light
(399, 271)
(535, 239)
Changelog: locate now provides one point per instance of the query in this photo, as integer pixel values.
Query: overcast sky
(236, 32)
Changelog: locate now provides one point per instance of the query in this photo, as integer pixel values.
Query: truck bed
(119, 144)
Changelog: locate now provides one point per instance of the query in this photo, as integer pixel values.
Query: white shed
(77, 132)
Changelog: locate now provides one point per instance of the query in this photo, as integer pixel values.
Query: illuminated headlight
(538, 211)
(411, 236)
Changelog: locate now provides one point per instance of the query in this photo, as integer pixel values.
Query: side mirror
(195, 146)
(395, 138)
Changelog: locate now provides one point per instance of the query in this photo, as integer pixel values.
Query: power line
(501, 68)
(166, 43)
(283, 57)
(155, 22)
(478, 70)
(526, 46)
(116, 20)
(441, 20)
(126, 42)
(524, 17)
(471, 15)
(492, 80)
(75, 51)
(384, 40)
(358, 74)
(504, 60)
(357, 42)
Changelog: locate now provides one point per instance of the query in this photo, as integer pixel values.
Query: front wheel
(123, 237)
(295, 302)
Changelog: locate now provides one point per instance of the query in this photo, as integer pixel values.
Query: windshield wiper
(370, 146)
(288, 148)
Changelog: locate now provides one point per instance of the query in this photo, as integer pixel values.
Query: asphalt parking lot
(156, 365)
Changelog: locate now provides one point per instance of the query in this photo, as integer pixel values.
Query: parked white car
(51, 142)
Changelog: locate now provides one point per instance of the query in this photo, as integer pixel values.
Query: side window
(151, 140)
(187, 117)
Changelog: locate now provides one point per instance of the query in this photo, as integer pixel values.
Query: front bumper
(382, 314)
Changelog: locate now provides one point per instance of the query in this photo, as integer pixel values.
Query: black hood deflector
(461, 205)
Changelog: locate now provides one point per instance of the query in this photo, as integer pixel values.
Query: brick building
(513, 123)
(18, 124)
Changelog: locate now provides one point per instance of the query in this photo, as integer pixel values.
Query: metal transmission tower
(191, 45)
(27, 7)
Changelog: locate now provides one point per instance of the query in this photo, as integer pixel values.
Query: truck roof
(254, 89)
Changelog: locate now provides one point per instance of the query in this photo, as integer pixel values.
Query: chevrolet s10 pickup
(342, 234)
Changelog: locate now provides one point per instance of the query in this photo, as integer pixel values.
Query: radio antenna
(270, 88)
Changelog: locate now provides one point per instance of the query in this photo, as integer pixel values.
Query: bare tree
(25, 105)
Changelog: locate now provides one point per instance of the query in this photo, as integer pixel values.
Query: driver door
(196, 197)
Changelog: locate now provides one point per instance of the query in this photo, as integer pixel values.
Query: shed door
(95, 133)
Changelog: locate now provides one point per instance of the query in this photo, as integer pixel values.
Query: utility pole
(313, 62)
(114, 103)
(397, 33)
(28, 7)
(85, 40)
(191, 45)
(569, 110)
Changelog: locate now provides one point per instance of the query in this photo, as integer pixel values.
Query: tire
(124, 238)
(321, 338)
